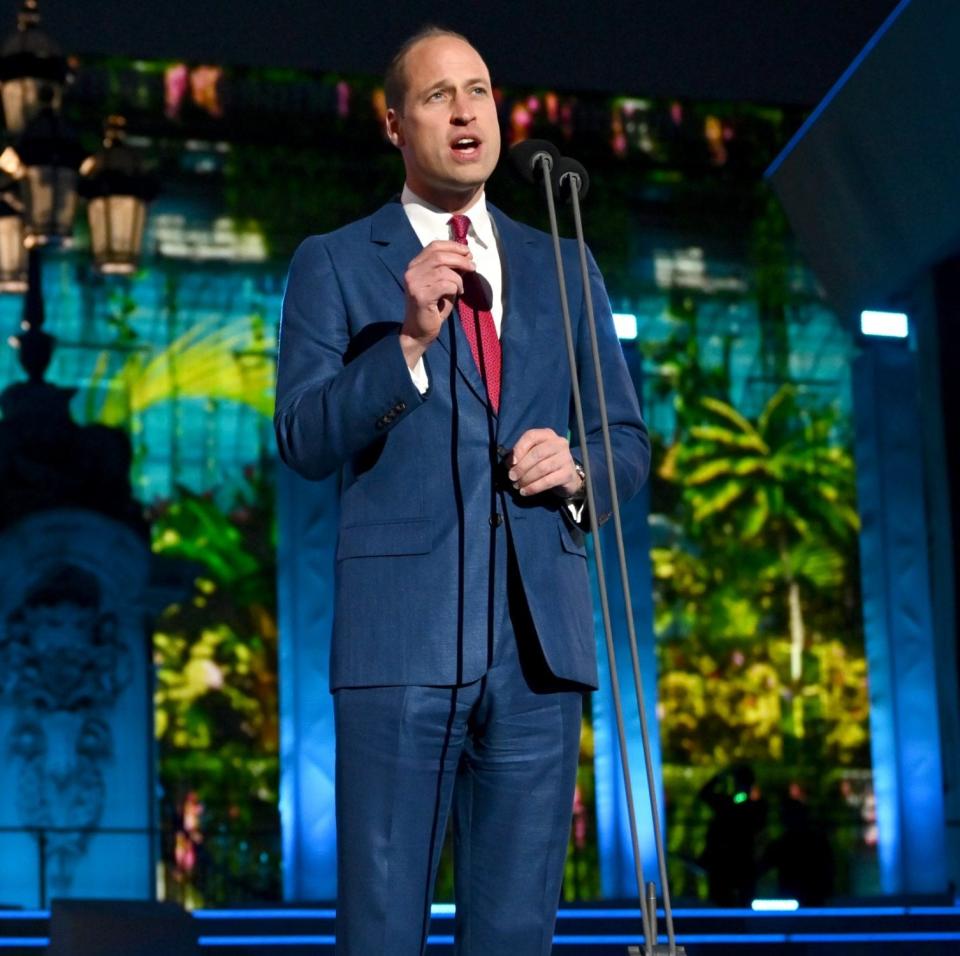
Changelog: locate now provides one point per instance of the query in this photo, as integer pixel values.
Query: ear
(394, 127)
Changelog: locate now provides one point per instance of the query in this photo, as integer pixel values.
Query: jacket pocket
(404, 536)
(572, 539)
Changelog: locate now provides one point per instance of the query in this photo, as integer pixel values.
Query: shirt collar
(436, 220)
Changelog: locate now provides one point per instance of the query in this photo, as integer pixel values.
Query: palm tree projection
(780, 480)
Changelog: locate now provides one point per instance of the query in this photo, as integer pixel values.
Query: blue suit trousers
(502, 751)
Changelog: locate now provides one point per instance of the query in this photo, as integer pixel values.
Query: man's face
(447, 130)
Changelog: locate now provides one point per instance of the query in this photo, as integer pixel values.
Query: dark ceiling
(778, 51)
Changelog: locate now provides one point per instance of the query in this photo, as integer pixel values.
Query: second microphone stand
(566, 175)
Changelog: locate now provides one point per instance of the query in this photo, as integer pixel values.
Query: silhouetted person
(802, 857)
(730, 850)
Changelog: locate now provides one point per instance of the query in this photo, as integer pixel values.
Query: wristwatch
(581, 492)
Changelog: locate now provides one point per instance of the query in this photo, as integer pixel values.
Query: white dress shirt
(429, 223)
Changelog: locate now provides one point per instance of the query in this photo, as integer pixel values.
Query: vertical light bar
(897, 621)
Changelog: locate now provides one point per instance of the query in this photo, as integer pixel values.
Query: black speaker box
(120, 928)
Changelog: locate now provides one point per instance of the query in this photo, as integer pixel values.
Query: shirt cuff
(419, 375)
(575, 510)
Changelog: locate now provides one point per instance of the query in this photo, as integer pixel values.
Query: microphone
(569, 176)
(533, 154)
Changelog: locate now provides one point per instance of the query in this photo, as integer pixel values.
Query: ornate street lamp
(117, 190)
(33, 72)
(39, 183)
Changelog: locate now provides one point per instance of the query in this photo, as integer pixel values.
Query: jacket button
(502, 452)
(496, 519)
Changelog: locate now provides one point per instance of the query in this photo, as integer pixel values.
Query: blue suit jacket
(420, 474)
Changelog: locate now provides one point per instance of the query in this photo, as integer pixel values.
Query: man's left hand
(541, 461)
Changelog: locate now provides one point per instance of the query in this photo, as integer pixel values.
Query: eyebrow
(446, 84)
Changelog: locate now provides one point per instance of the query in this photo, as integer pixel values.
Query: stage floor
(907, 930)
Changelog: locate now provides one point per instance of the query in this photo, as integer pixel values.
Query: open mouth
(465, 144)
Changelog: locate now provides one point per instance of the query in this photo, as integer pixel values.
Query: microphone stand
(573, 175)
(546, 161)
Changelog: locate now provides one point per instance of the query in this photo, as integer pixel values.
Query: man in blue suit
(463, 633)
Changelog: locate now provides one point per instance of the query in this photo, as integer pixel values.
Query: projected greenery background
(753, 515)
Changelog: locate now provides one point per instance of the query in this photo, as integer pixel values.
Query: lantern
(33, 72)
(117, 190)
(13, 253)
(50, 156)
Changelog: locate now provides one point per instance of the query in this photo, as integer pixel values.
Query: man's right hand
(433, 280)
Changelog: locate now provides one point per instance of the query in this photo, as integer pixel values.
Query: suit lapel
(524, 283)
(391, 230)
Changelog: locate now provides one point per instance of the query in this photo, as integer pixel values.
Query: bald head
(395, 81)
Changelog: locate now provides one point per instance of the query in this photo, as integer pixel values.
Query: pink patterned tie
(477, 321)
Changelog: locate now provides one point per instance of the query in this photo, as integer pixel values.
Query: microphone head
(531, 155)
(568, 175)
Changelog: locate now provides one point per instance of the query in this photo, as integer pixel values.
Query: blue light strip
(586, 940)
(854, 911)
(310, 940)
(599, 914)
(918, 937)
(725, 938)
(835, 89)
(9, 942)
(265, 914)
(24, 914)
(328, 940)
(716, 913)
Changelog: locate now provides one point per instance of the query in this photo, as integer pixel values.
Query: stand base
(661, 949)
